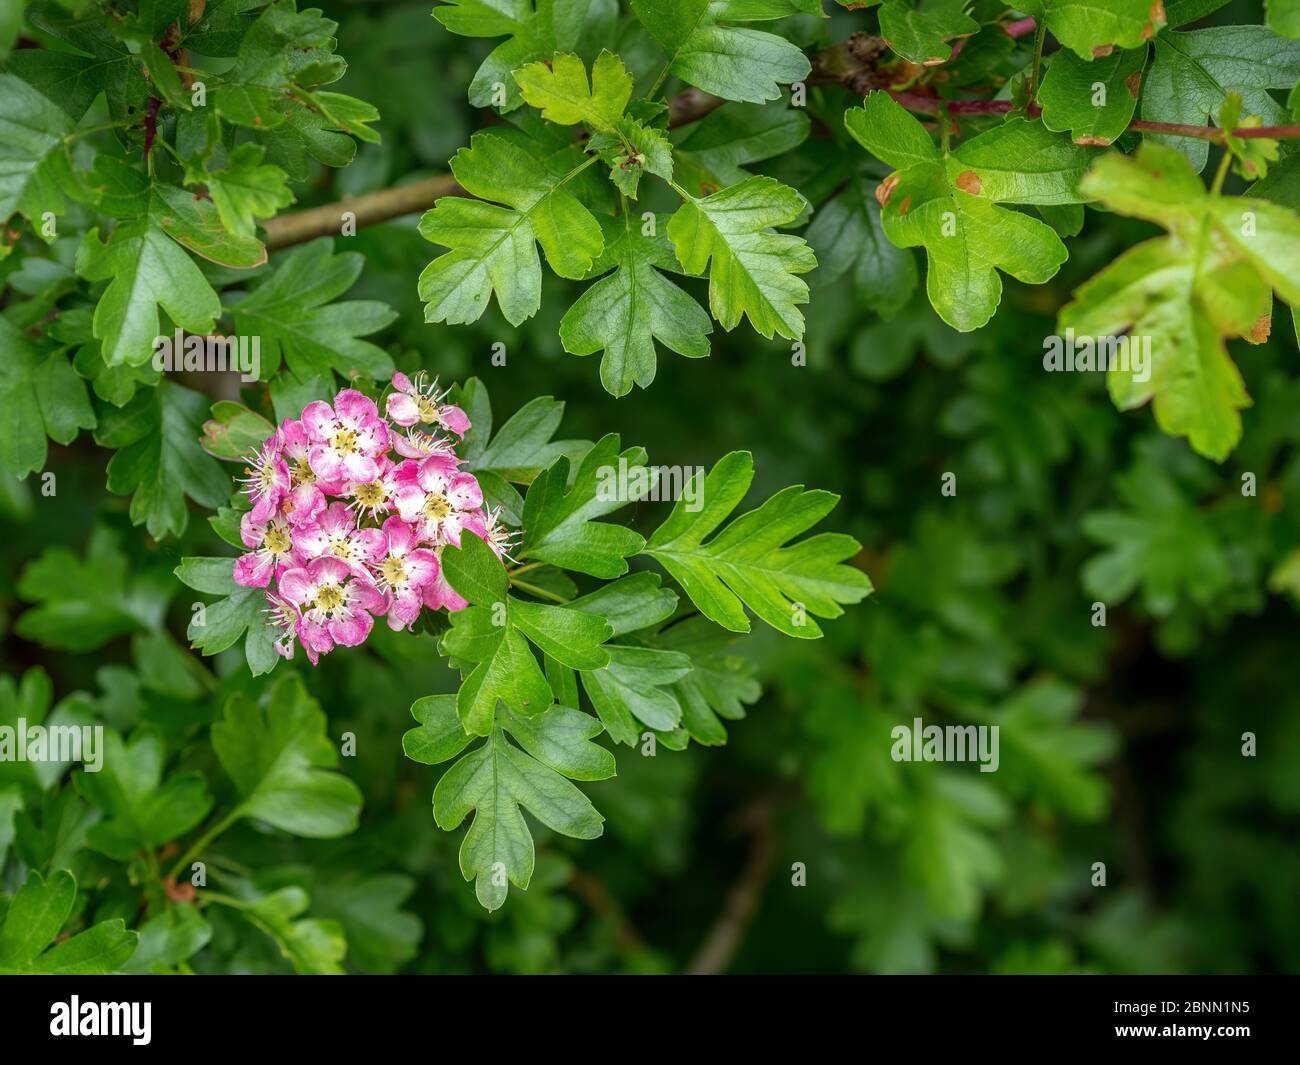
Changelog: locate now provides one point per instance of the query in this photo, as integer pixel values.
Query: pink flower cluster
(351, 512)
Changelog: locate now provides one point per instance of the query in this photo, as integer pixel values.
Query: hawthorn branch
(297, 227)
(719, 948)
(854, 63)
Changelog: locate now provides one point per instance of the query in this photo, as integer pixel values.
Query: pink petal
(306, 503)
(400, 536)
(359, 467)
(410, 502)
(326, 463)
(329, 567)
(354, 408)
(437, 594)
(318, 418)
(402, 383)
(254, 569)
(433, 478)
(297, 586)
(455, 419)
(251, 530)
(351, 629)
(402, 409)
(371, 544)
(421, 566)
(464, 492)
(311, 539)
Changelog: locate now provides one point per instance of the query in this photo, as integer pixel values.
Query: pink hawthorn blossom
(419, 402)
(350, 512)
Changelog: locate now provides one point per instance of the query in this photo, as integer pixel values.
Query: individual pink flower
(439, 503)
(402, 571)
(336, 603)
(419, 402)
(417, 444)
(306, 497)
(273, 550)
(347, 438)
(335, 535)
(374, 498)
(268, 481)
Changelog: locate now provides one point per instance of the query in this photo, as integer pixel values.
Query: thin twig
(719, 948)
(297, 227)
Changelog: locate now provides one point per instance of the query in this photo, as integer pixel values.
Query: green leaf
(635, 686)
(520, 450)
(1284, 17)
(1093, 28)
(535, 31)
(493, 247)
(1160, 542)
(558, 520)
(1208, 280)
(159, 460)
(241, 611)
(847, 236)
(142, 812)
(1049, 756)
(716, 150)
(752, 268)
(630, 603)
(169, 939)
(294, 313)
(35, 917)
(1193, 71)
(35, 168)
(492, 635)
(312, 946)
(244, 189)
(626, 312)
(718, 685)
(750, 563)
(81, 605)
(948, 204)
(920, 30)
(1073, 103)
(283, 763)
(381, 936)
(42, 396)
(497, 781)
(733, 62)
(146, 271)
(560, 90)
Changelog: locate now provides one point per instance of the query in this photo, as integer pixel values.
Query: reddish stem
(1019, 28)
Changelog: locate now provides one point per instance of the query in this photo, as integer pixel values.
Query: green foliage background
(1119, 744)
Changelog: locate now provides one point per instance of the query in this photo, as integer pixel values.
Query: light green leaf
(920, 30)
(752, 268)
(750, 563)
(733, 62)
(493, 247)
(626, 312)
(35, 917)
(1072, 102)
(946, 204)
